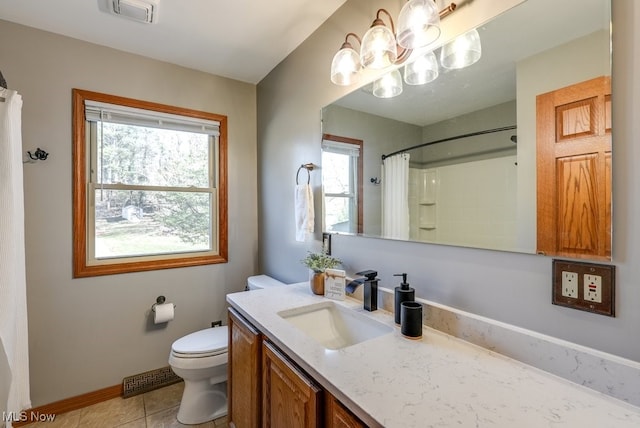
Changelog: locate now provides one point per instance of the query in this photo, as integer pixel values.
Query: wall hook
(38, 155)
(375, 180)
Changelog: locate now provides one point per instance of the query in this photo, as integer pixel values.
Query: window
(342, 184)
(149, 186)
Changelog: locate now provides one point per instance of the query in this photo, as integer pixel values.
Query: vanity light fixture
(419, 25)
(345, 67)
(379, 48)
(463, 51)
(389, 85)
(423, 70)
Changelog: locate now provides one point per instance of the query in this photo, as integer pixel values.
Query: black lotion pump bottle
(403, 293)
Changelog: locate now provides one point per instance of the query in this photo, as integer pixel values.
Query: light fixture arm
(403, 54)
(346, 44)
(448, 10)
(379, 21)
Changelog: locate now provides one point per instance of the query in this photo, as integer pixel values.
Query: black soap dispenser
(404, 293)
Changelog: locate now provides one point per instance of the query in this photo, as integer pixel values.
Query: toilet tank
(258, 282)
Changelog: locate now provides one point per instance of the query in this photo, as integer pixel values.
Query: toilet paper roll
(163, 313)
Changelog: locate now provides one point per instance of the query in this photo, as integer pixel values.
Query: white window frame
(352, 148)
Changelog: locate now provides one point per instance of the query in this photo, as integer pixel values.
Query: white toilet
(200, 359)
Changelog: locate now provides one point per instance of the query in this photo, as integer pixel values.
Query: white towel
(304, 211)
(13, 296)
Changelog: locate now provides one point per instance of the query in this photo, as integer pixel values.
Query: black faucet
(370, 288)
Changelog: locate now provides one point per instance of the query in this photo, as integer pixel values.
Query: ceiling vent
(145, 11)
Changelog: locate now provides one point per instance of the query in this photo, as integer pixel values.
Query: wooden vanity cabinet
(338, 416)
(244, 383)
(290, 398)
(266, 389)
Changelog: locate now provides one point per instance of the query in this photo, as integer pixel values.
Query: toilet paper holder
(159, 301)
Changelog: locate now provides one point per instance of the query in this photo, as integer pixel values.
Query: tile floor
(155, 409)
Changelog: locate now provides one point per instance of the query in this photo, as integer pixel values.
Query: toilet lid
(205, 341)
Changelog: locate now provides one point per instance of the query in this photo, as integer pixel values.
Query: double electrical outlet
(585, 286)
(592, 286)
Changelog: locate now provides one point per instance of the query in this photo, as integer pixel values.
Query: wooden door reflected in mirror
(574, 170)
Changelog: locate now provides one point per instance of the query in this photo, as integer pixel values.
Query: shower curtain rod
(457, 137)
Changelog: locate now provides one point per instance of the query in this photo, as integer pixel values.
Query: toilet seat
(198, 355)
(190, 363)
(201, 344)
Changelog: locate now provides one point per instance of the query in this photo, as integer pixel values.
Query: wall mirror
(479, 191)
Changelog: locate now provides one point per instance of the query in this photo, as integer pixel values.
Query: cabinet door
(338, 416)
(291, 400)
(244, 373)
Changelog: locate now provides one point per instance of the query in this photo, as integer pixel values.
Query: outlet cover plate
(570, 284)
(607, 296)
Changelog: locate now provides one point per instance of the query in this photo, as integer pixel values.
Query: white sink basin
(334, 326)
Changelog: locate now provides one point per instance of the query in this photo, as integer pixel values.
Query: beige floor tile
(64, 420)
(163, 398)
(168, 419)
(112, 413)
(155, 409)
(138, 423)
(222, 422)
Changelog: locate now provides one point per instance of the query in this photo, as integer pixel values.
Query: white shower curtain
(13, 295)
(395, 197)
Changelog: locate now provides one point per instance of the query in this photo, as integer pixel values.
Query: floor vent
(148, 381)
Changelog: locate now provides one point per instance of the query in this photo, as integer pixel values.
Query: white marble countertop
(438, 381)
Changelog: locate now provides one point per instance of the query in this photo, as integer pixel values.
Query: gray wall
(380, 136)
(87, 334)
(514, 288)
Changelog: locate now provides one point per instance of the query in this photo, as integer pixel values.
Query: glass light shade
(345, 67)
(418, 24)
(389, 85)
(378, 48)
(463, 51)
(423, 70)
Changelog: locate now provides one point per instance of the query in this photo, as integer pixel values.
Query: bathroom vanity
(284, 371)
(268, 386)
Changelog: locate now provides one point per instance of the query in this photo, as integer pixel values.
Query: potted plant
(318, 263)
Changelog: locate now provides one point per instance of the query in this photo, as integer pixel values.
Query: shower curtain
(395, 197)
(13, 296)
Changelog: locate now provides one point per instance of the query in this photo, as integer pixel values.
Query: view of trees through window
(337, 179)
(152, 191)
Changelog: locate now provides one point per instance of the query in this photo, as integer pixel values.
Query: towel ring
(309, 167)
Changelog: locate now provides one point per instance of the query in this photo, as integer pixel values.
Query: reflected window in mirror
(342, 184)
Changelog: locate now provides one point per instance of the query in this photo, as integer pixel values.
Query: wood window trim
(360, 144)
(80, 266)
